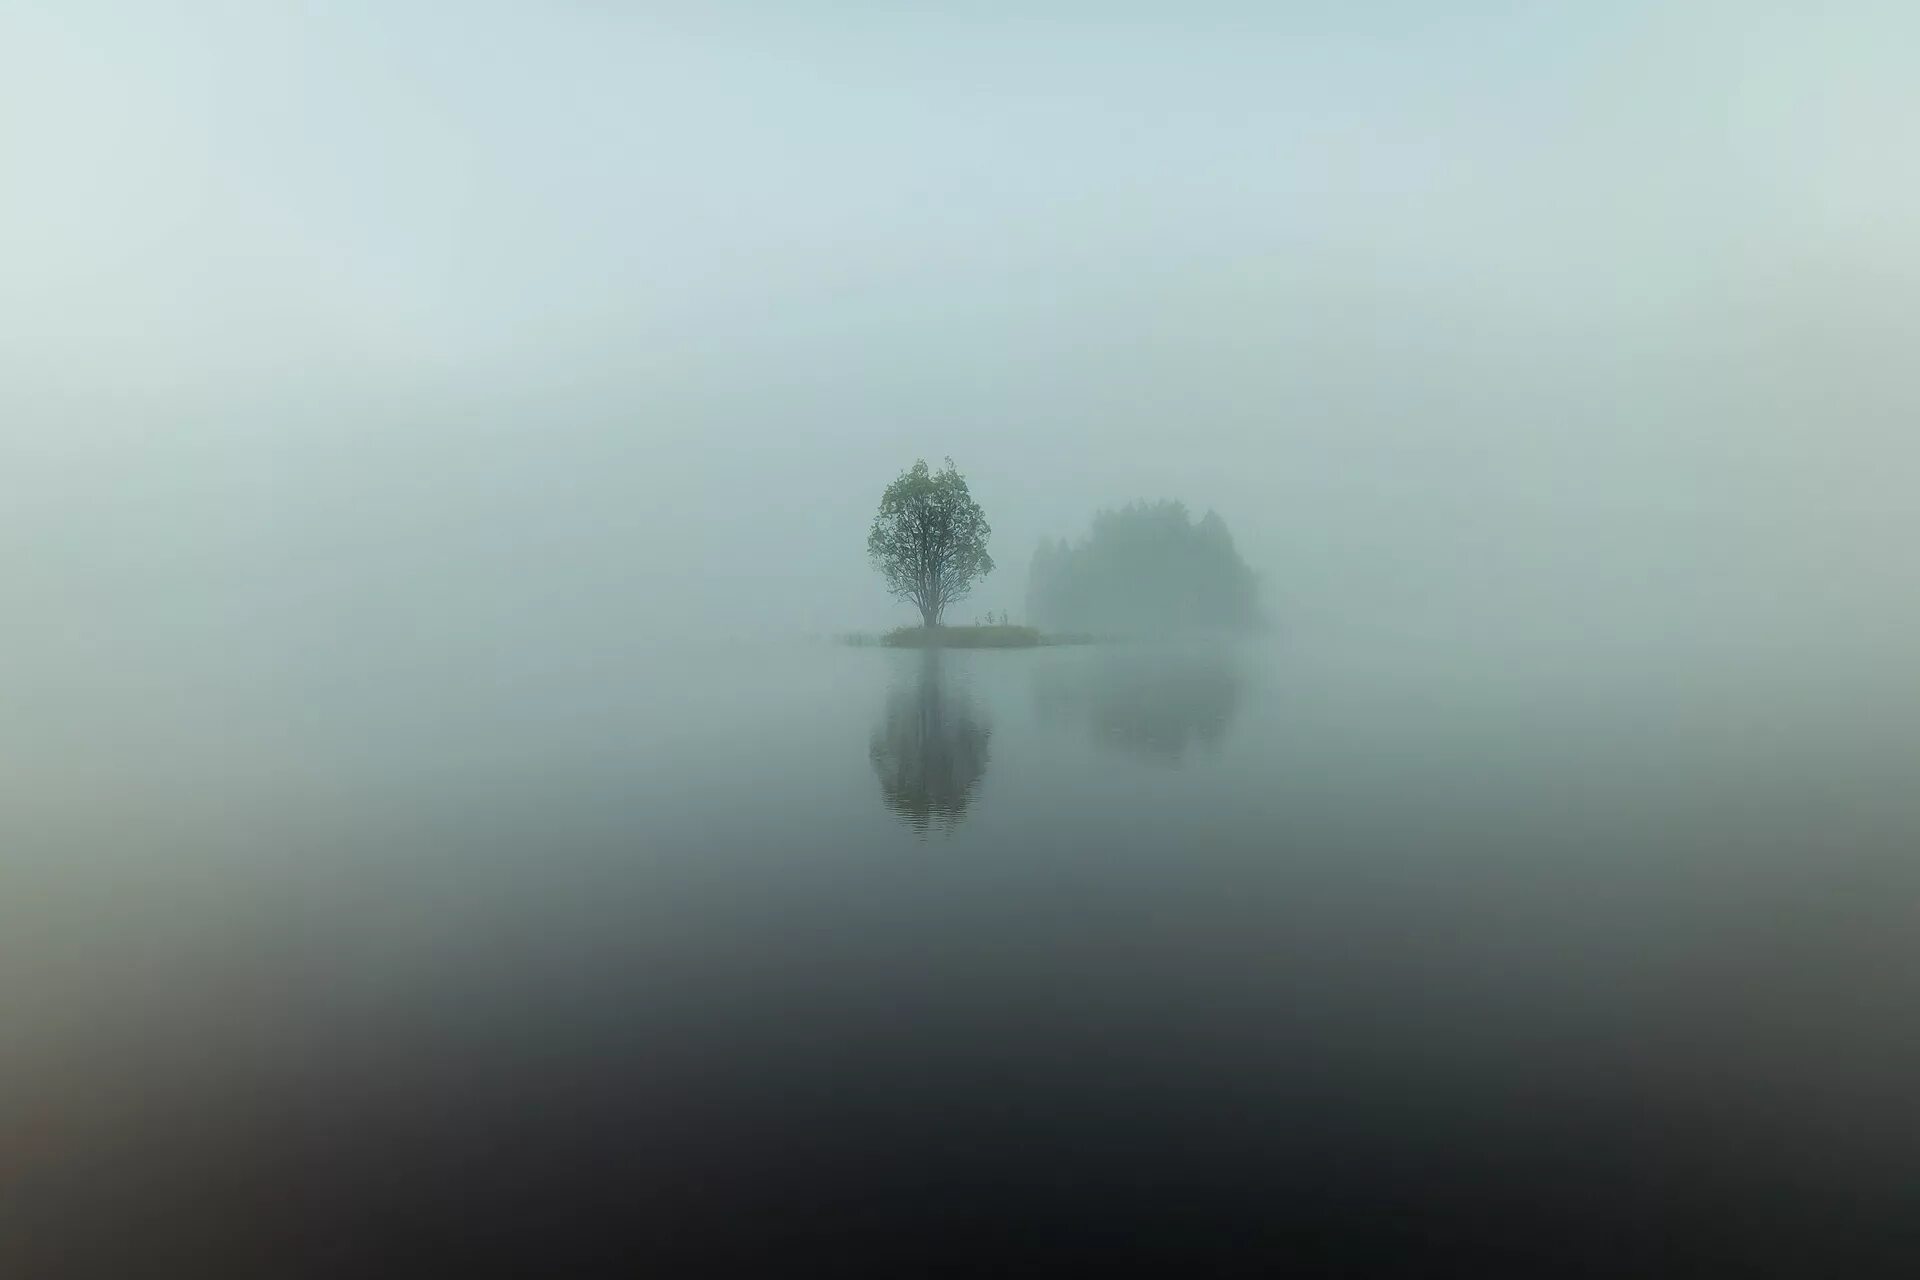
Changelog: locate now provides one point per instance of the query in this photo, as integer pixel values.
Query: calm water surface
(1351, 947)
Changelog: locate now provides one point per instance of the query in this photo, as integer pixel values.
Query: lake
(1348, 946)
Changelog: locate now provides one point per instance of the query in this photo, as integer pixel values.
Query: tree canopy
(1147, 567)
(929, 539)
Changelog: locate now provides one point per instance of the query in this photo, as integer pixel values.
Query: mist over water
(432, 827)
(757, 949)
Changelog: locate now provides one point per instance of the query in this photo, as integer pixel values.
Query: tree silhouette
(929, 540)
(1147, 567)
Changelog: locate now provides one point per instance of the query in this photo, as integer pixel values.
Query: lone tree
(930, 539)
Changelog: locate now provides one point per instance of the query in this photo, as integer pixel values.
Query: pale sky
(406, 319)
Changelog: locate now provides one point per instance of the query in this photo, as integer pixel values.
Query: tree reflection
(1158, 703)
(930, 748)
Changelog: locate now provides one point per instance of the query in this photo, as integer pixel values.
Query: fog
(1590, 331)
(431, 438)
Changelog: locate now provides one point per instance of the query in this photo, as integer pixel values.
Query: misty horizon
(436, 448)
(1575, 322)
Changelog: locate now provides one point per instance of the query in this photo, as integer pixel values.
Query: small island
(1145, 569)
(996, 636)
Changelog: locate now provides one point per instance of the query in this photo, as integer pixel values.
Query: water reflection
(930, 748)
(1157, 703)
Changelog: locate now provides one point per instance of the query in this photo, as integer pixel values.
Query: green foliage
(1145, 568)
(929, 540)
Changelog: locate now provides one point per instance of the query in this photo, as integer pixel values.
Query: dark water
(1337, 952)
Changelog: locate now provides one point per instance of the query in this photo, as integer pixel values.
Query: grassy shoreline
(990, 637)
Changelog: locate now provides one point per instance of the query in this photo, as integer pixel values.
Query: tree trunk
(929, 616)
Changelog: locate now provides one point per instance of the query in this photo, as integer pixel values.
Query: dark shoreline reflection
(929, 749)
(1151, 701)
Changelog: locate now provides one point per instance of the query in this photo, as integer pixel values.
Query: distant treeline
(1145, 568)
